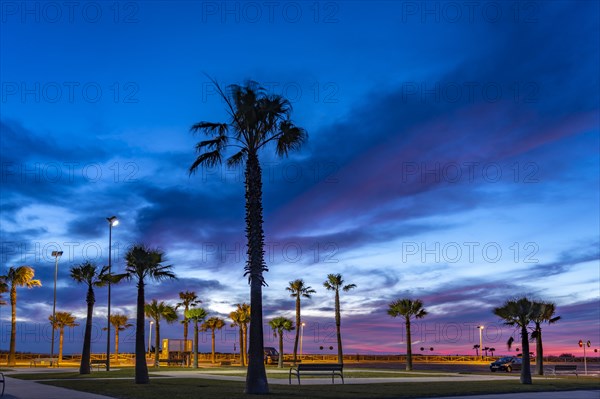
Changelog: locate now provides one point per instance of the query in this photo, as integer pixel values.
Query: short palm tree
(298, 290)
(256, 119)
(476, 347)
(144, 263)
(212, 324)
(241, 317)
(408, 309)
(544, 312)
(120, 323)
(87, 273)
(188, 299)
(197, 315)
(335, 282)
(22, 276)
(60, 321)
(159, 311)
(519, 313)
(279, 325)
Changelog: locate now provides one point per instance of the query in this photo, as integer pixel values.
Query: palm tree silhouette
(60, 321)
(544, 312)
(212, 324)
(408, 309)
(143, 263)
(188, 299)
(256, 119)
(519, 313)
(279, 325)
(241, 317)
(22, 276)
(87, 273)
(335, 282)
(119, 322)
(159, 311)
(298, 290)
(476, 347)
(196, 315)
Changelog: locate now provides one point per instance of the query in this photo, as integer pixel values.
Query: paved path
(23, 389)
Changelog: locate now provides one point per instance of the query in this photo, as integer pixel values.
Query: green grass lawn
(183, 388)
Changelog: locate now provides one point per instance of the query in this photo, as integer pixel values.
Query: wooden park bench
(3, 383)
(173, 361)
(317, 369)
(98, 363)
(41, 360)
(563, 368)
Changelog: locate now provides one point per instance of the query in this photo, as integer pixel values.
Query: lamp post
(150, 338)
(112, 221)
(56, 254)
(480, 341)
(301, 336)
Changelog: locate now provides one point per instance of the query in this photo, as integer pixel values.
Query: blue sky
(453, 156)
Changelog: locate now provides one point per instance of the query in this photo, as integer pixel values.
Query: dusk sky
(453, 156)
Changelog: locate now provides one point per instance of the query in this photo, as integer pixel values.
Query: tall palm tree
(22, 276)
(87, 273)
(298, 290)
(279, 325)
(544, 312)
(188, 299)
(335, 282)
(256, 119)
(408, 309)
(158, 311)
(119, 322)
(519, 313)
(60, 321)
(143, 263)
(212, 324)
(197, 315)
(241, 316)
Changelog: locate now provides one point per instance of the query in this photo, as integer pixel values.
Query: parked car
(508, 364)
(271, 355)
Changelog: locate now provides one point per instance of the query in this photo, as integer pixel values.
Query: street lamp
(150, 338)
(481, 340)
(301, 336)
(56, 254)
(112, 221)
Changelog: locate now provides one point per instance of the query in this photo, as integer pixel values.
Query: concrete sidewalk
(23, 389)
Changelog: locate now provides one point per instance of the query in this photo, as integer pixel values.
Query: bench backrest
(320, 367)
(565, 367)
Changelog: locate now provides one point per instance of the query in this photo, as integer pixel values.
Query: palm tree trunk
(241, 346)
(526, 367)
(298, 321)
(61, 336)
(256, 378)
(408, 346)
(141, 367)
(245, 333)
(86, 352)
(212, 335)
(338, 327)
(185, 329)
(117, 344)
(195, 344)
(157, 343)
(13, 325)
(280, 360)
(539, 349)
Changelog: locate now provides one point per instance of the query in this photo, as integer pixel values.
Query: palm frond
(209, 159)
